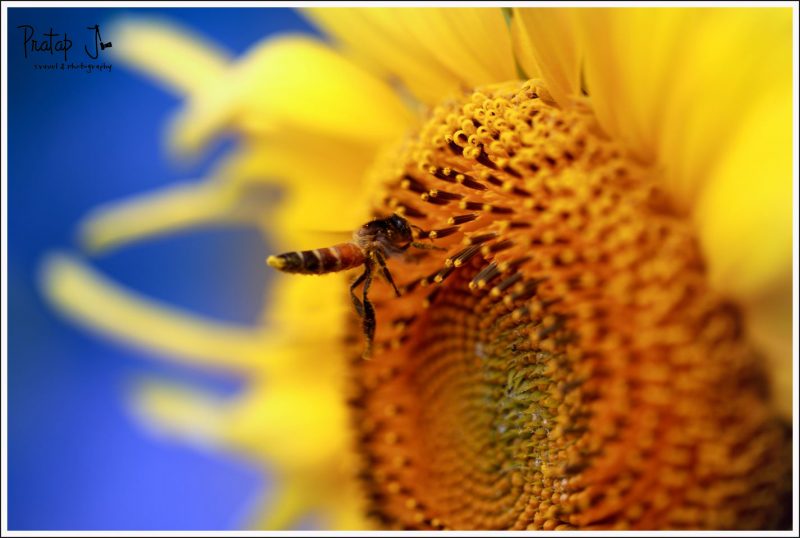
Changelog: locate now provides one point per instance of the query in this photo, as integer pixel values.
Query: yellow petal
(545, 42)
(744, 217)
(285, 421)
(744, 211)
(386, 51)
(290, 505)
(293, 422)
(92, 300)
(434, 52)
(472, 43)
(274, 88)
(318, 197)
(705, 97)
(728, 129)
(259, 425)
(187, 414)
(322, 181)
(181, 412)
(672, 83)
(173, 56)
(734, 59)
(348, 509)
(631, 58)
(296, 338)
(331, 501)
(176, 207)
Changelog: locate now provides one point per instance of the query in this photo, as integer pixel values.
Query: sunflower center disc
(564, 363)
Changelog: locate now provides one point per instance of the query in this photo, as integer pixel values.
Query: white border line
(393, 3)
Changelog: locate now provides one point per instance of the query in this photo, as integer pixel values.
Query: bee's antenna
(417, 229)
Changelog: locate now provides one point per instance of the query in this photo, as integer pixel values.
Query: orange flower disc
(564, 364)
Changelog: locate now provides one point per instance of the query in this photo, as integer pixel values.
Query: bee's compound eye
(399, 223)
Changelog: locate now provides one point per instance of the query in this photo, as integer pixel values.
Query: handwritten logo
(53, 43)
(98, 42)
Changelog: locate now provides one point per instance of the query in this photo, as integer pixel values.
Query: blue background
(76, 457)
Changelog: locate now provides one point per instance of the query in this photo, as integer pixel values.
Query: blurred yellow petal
(433, 51)
(288, 319)
(181, 412)
(285, 512)
(348, 508)
(720, 138)
(744, 212)
(744, 221)
(273, 88)
(545, 44)
(176, 207)
(314, 171)
(330, 504)
(174, 57)
(283, 422)
(92, 300)
(680, 119)
(709, 103)
(279, 420)
(322, 180)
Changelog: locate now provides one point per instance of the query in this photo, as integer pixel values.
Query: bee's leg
(356, 302)
(368, 321)
(425, 246)
(386, 274)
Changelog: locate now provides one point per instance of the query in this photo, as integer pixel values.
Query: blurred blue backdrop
(76, 457)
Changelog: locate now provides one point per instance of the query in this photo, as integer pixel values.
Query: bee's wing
(309, 239)
(336, 236)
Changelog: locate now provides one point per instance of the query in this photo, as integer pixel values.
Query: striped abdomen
(318, 261)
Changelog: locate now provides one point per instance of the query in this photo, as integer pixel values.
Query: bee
(372, 244)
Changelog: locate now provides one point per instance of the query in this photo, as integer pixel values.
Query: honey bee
(372, 244)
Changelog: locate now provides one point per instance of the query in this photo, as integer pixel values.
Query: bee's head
(398, 231)
(393, 232)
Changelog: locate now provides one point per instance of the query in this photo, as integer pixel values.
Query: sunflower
(604, 340)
